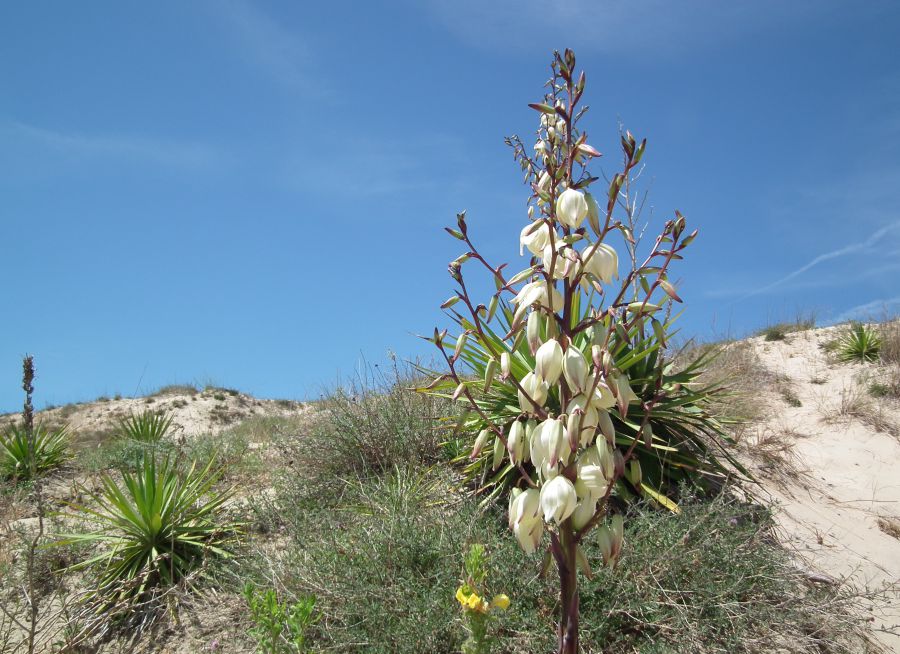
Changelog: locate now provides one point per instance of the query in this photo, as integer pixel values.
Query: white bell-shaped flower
(591, 482)
(575, 369)
(536, 390)
(525, 519)
(564, 264)
(548, 361)
(558, 499)
(552, 443)
(584, 511)
(571, 208)
(601, 261)
(535, 236)
(603, 397)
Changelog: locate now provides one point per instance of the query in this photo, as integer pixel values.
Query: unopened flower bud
(504, 366)
(515, 441)
(490, 372)
(498, 453)
(533, 331)
(480, 442)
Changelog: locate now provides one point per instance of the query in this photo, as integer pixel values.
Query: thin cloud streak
(166, 153)
(853, 248)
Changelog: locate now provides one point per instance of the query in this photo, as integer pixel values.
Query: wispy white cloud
(275, 49)
(175, 154)
(613, 25)
(860, 247)
(853, 248)
(875, 309)
(835, 279)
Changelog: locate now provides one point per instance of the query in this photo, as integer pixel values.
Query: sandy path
(838, 506)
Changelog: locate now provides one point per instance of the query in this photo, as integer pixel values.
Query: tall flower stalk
(570, 317)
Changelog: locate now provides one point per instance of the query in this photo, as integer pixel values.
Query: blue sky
(251, 194)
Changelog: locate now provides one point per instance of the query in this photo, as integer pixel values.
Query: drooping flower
(564, 264)
(533, 331)
(548, 361)
(551, 443)
(524, 505)
(582, 422)
(601, 261)
(575, 369)
(544, 182)
(603, 397)
(590, 483)
(536, 293)
(525, 519)
(529, 534)
(535, 236)
(536, 389)
(584, 511)
(558, 499)
(571, 208)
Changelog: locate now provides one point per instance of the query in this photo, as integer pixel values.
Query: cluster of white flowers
(553, 443)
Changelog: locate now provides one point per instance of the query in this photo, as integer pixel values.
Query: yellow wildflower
(461, 595)
(500, 601)
(474, 602)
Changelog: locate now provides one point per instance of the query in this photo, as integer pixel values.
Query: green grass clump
(780, 331)
(154, 529)
(146, 427)
(859, 343)
(370, 426)
(18, 459)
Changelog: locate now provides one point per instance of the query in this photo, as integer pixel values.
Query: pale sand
(847, 474)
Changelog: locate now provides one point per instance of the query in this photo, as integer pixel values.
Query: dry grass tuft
(890, 342)
(855, 403)
(890, 526)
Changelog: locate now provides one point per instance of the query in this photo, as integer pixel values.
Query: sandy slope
(193, 413)
(842, 499)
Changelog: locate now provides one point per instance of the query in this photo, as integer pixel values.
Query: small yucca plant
(859, 343)
(154, 529)
(51, 449)
(147, 427)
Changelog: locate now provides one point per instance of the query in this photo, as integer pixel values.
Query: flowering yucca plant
(562, 345)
